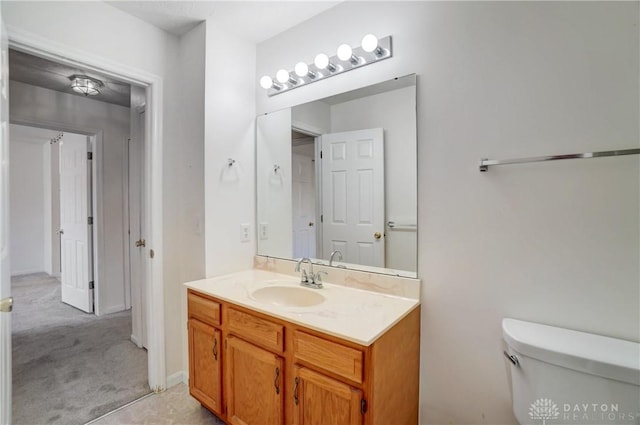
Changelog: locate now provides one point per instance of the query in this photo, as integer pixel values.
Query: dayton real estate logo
(544, 409)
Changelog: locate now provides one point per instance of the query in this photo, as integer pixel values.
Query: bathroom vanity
(262, 351)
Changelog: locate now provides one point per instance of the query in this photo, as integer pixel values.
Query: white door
(5, 279)
(304, 206)
(353, 196)
(75, 275)
(137, 243)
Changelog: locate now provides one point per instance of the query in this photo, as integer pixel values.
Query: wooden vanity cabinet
(279, 373)
(320, 400)
(254, 384)
(205, 352)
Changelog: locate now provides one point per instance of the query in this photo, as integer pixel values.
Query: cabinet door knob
(275, 381)
(295, 390)
(214, 350)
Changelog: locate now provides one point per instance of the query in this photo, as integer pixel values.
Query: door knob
(377, 235)
(61, 231)
(6, 305)
(311, 224)
(140, 243)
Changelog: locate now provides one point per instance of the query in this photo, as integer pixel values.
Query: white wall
(188, 180)
(395, 112)
(26, 196)
(30, 104)
(313, 116)
(555, 243)
(98, 30)
(274, 190)
(229, 133)
(51, 177)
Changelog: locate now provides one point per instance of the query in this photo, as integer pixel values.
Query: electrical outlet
(245, 235)
(264, 231)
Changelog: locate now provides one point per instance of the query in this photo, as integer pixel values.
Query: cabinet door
(320, 400)
(253, 384)
(205, 378)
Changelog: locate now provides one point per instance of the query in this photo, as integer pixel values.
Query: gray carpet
(69, 367)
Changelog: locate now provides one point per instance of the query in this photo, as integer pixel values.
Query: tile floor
(174, 406)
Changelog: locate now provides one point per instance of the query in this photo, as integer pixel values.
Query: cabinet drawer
(252, 328)
(203, 308)
(328, 355)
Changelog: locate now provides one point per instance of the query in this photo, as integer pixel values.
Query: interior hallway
(69, 367)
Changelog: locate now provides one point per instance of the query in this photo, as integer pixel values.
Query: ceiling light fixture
(371, 50)
(86, 85)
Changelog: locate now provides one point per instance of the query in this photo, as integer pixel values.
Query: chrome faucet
(332, 255)
(304, 278)
(311, 279)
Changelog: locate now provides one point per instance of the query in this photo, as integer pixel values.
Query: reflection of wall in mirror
(395, 112)
(273, 138)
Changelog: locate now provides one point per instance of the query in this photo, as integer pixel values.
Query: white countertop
(352, 314)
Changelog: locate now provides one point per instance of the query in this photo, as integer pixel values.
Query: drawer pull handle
(275, 381)
(215, 349)
(295, 391)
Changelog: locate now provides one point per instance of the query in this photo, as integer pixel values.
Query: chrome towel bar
(486, 163)
(397, 226)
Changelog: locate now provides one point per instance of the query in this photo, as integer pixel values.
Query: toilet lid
(595, 354)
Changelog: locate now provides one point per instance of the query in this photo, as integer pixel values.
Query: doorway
(153, 183)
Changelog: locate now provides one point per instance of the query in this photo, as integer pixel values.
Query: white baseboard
(136, 341)
(176, 378)
(112, 309)
(28, 271)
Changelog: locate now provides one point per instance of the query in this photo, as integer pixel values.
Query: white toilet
(560, 376)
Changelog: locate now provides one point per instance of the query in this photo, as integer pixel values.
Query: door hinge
(90, 220)
(91, 285)
(363, 406)
(320, 154)
(321, 218)
(89, 156)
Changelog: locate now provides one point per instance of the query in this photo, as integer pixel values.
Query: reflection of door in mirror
(353, 196)
(303, 192)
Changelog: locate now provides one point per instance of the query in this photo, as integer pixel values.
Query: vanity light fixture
(345, 53)
(371, 50)
(370, 44)
(302, 70)
(284, 76)
(267, 82)
(322, 62)
(86, 85)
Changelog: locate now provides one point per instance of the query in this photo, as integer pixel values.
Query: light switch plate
(245, 232)
(264, 231)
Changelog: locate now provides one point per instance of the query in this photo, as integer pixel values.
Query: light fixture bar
(336, 66)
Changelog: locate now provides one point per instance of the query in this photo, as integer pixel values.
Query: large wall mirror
(337, 180)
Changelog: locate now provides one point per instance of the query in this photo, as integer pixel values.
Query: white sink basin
(288, 296)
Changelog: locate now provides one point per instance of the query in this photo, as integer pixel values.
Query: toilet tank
(561, 376)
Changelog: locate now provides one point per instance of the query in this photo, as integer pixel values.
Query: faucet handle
(305, 277)
(317, 278)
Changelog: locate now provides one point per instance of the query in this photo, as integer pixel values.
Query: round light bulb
(344, 52)
(302, 69)
(282, 76)
(369, 43)
(266, 82)
(321, 61)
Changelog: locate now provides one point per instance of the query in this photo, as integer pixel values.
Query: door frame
(38, 46)
(316, 133)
